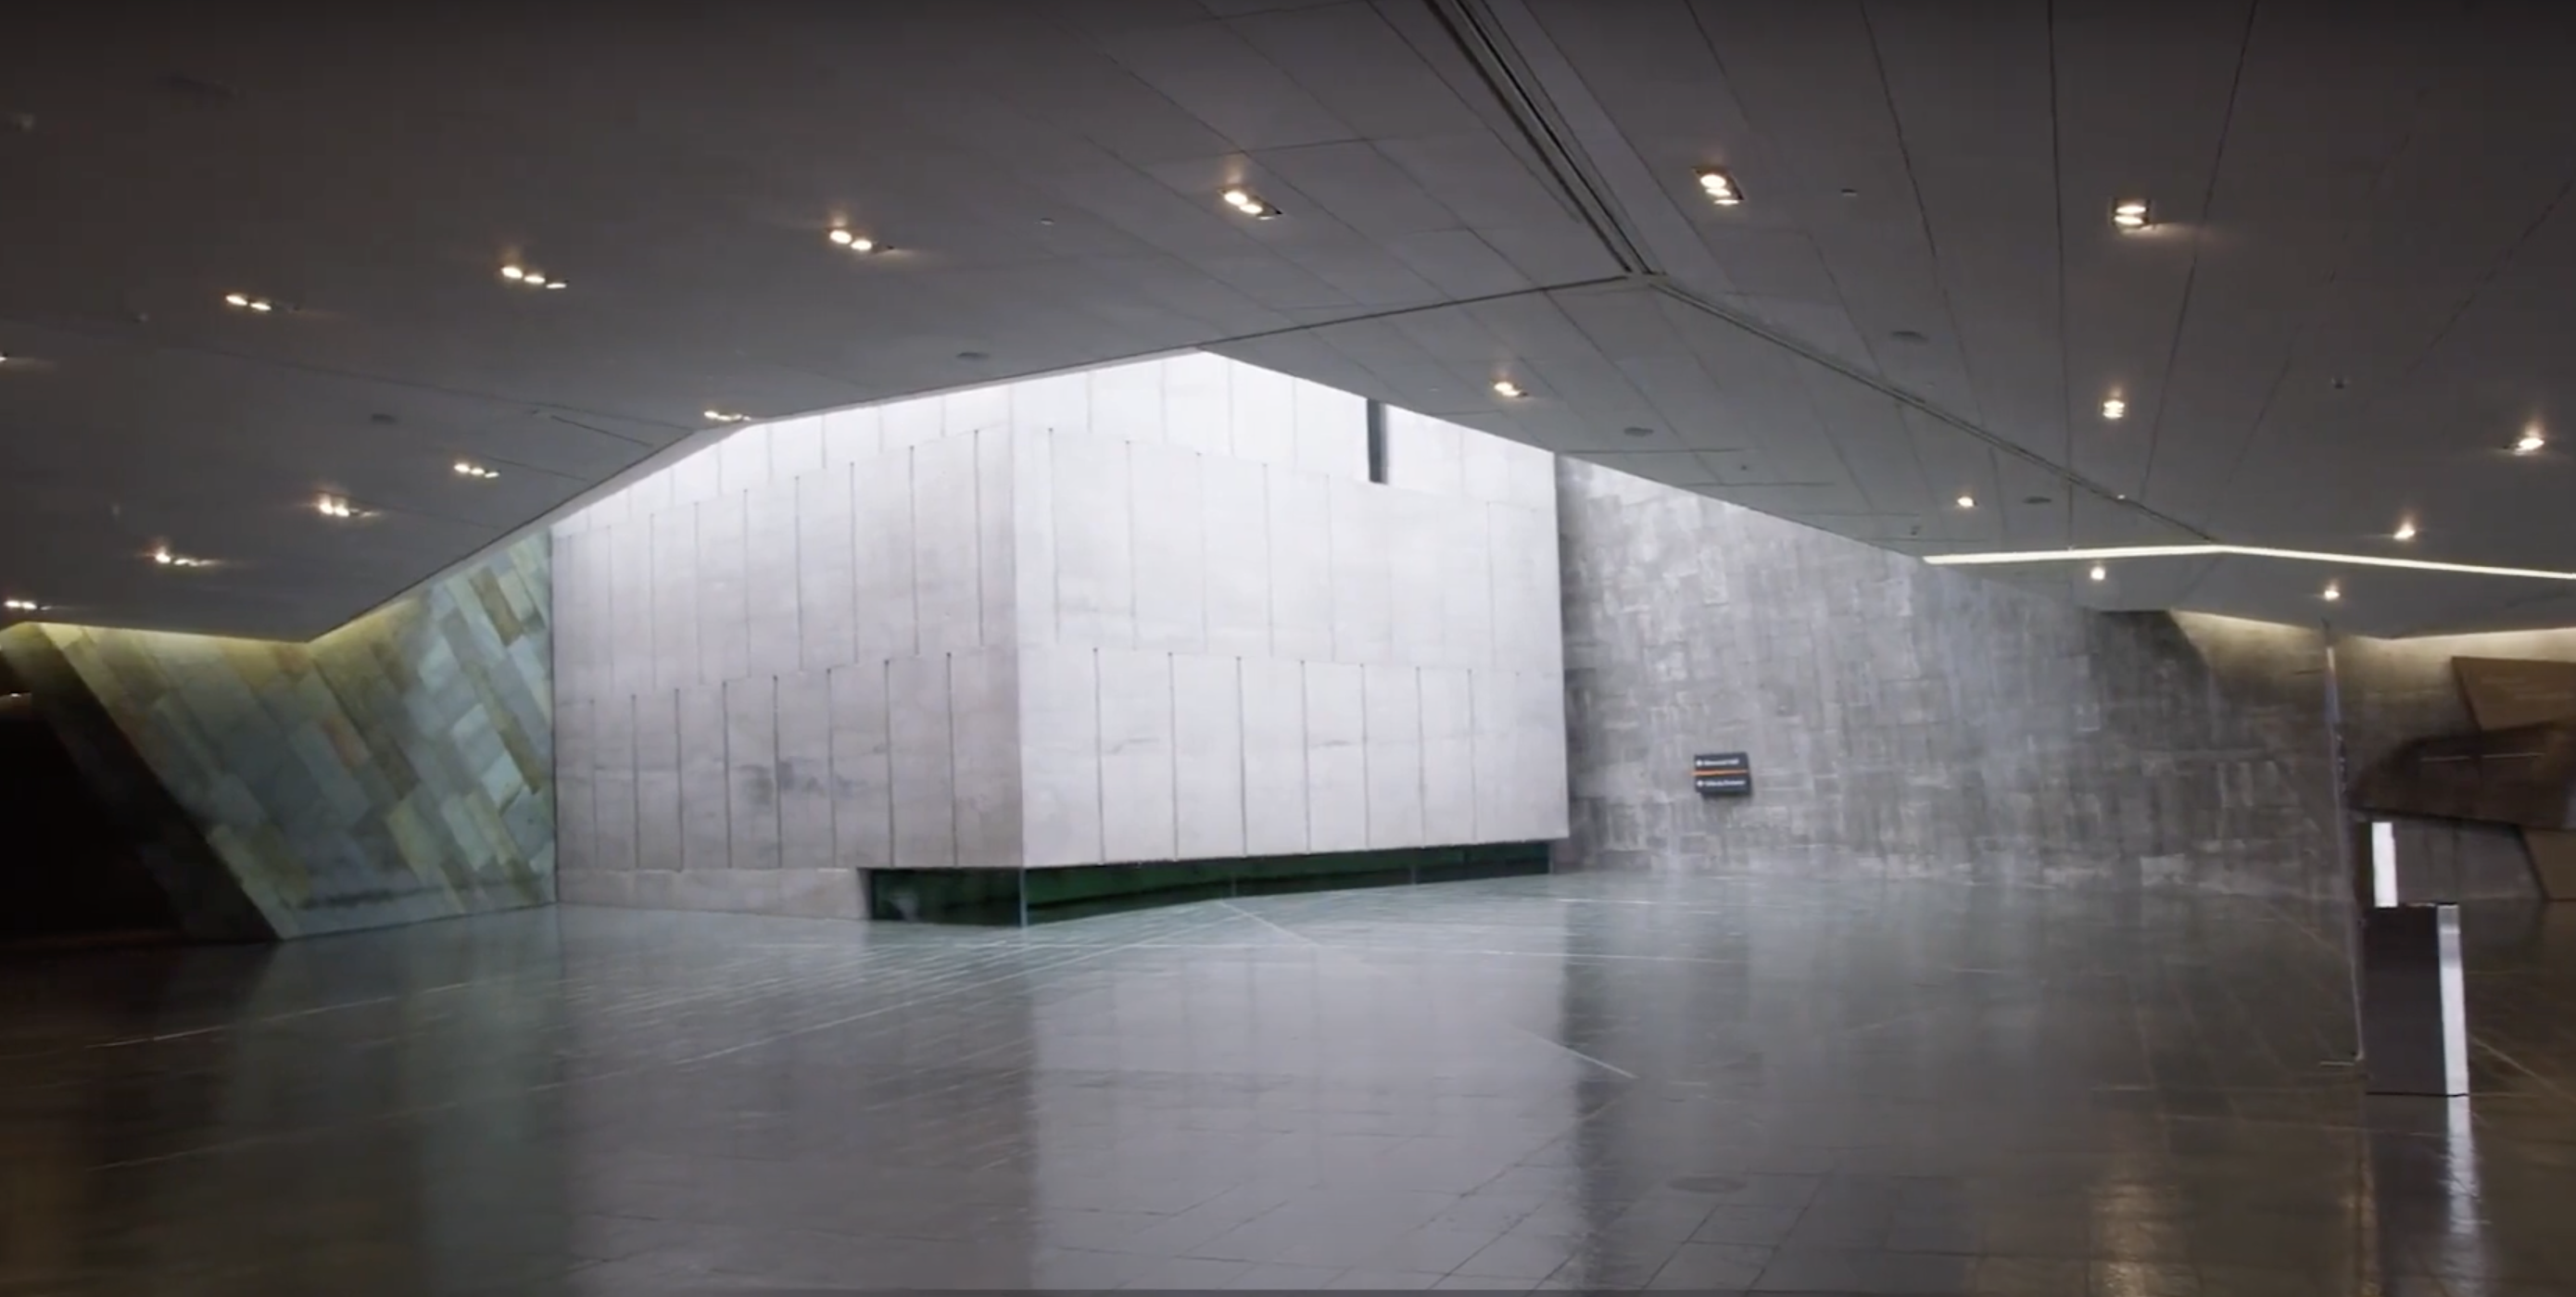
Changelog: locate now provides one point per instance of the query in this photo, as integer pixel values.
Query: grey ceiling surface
(2360, 288)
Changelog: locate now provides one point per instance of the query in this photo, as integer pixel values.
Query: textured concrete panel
(923, 765)
(1235, 526)
(853, 436)
(724, 618)
(1502, 775)
(1412, 559)
(885, 620)
(743, 459)
(984, 695)
(996, 579)
(1033, 564)
(630, 597)
(751, 754)
(1363, 595)
(576, 782)
(795, 447)
(826, 575)
(1466, 590)
(1095, 573)
(1393, 702)
(1301, 566)
(1274, 757)
(1449, 755)
(1060, 748)
(1424, 454)
(910, 424)
(1207, 730)
(1169, 548)
(1263, 417)
(805, 771)
(1061, 403)
(1127, 402)
(613, 784)
(1332, 431)
(1197, 402)
(696, 479)
(657, 780)
(1136, 772)
(706, 785)
(1336, 758)
(671, 613)
(776, 638)
(862, 766)
(974, 410)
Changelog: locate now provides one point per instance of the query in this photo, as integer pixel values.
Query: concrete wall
(789, 657)
(1234, 643)
(397, 769)
(1907, 720)
(1153, 611)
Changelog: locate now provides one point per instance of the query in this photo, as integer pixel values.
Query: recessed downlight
(164, 556)
(2331, 593)
(2405, 530)
(2530, 442)
(332, 506)
(21, 605)
(1966, 502)
(1719, 186)
(246, 302)
(468, 468)
(851, 239)
(2114, 408)
(726, 416)
(2130, 215)
(1509, 390)
(2099, 573)
(528, 277)
(1250, 204)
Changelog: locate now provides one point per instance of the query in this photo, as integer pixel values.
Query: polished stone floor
(1571, 1082)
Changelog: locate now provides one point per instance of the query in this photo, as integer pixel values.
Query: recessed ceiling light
(1719, 186)
(249, 303)
(2114, 408)
(467, 468)
(2331, 593)
(2530, 441)
(1507, 388)
(332, 506)
(2130, 215)
(2405, 530)
(1246, 202)
(21, 605)
(513, 273)
(851, 239)
(527, 278)
(165, 557)
(1967, 502)
(2100, 573)
(727, 416)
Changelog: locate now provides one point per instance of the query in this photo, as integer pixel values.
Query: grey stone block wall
(1913, 721)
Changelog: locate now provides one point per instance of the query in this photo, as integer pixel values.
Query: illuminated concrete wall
(397, 769)
(1147, 612)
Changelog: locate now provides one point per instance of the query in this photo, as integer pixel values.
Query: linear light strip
(2237, 551)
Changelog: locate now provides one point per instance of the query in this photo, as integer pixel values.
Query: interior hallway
(1581, 1081)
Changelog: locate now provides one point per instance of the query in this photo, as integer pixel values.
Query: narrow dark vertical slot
(1377, 442)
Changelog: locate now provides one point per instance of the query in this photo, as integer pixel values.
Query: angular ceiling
(2353, 298)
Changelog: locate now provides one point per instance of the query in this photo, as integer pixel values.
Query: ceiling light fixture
(332, 506)
(727, 416)
(2405, 530)
(1244, 201)
(1506, 388)
(2331, 593)
(2530, 442)
(1719, 186)
(465, 468)
(249, 303)
(527, 278)
(21, 605)
(1967, 502)
(2100, 573)
(2115, 409)
(164, 557)
(855, 242)
(2129, 215)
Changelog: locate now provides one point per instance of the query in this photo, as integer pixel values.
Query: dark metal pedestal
(2414, 1019)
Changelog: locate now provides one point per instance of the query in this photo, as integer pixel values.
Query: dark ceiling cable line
(2057, 197)
(1500, 66)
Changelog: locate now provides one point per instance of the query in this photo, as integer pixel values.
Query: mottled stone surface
(1913, 721)
(397, 769)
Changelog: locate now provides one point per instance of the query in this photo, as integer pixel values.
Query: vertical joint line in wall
(885, 695)
(1475, 749)
(948, 677)
(911, 551)
(1172, 697)
(1242, 761)
(1099, 767)
(1421, 763)
(635, 785)
(1368, 801)
(975, 533)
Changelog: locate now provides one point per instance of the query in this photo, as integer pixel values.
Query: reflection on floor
(1551, 1082)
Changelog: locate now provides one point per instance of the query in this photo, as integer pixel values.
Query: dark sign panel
(1722, 774)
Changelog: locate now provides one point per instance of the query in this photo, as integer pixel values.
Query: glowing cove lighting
(2106, 553)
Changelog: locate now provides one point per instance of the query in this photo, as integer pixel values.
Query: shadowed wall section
(400, 768)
